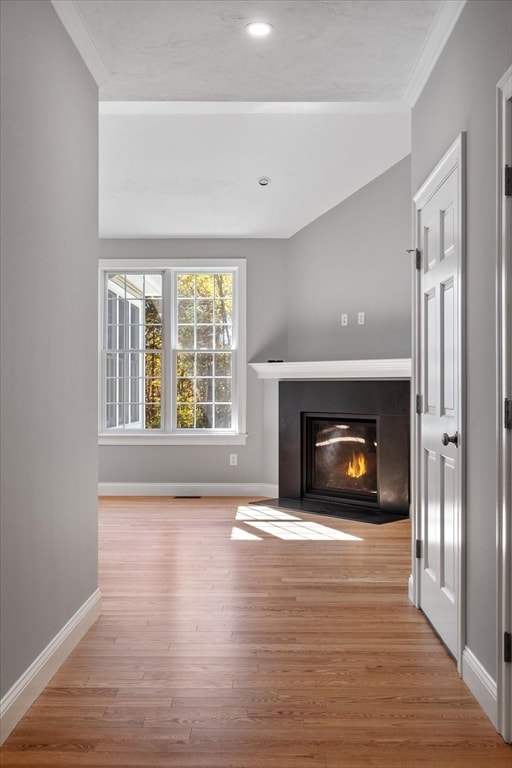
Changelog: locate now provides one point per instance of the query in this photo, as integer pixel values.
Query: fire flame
(357, 465)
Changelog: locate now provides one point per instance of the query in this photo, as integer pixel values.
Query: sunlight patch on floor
(239, 534)
(262, 513)
(285, 526)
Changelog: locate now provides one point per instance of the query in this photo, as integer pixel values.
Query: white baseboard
(28, 687)
(188, 489)
(411, 590)
(481, 685)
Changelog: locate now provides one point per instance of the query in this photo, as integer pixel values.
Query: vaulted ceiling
(193, 112)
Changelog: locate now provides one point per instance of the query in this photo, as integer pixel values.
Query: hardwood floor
(296, 648)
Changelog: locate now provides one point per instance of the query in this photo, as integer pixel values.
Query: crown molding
(68, 13)
(252, 107)
(441, 29)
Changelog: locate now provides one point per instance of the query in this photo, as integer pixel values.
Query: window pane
(223, 311)
(121, 326)
(223, 338)
(204, 416)
(135, 337)
(223, 364)
(186, 337)
(204, 311)
(153, 285)
(223, 418)
(185, 416)
(185, 390)
(204, 390)
(152, 364)
(223, 284)
(222, 390)
(111, 307)
(117, 284)
(111, 411)
(185, 364)
(153, 420)
(186, 284)
(186, 310)
(135, 310)
(153, 310)
(204, 364)
(204, 284)
(153, 337)
(205, 337)
(153, 390)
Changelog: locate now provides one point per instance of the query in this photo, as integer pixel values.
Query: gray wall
(354, 259)
(461, 96)
(49, 253)
(266, 338)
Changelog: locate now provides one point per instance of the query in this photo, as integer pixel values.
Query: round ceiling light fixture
(263, 181)
(258, 28)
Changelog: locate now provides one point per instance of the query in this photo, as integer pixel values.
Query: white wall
(354, 259)
(49, 254)
(461, 96)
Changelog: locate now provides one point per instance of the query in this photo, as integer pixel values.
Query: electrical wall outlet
(233, 459)
(360, 318)
(344, 319)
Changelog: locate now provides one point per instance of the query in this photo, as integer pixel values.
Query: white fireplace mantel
(399, 368)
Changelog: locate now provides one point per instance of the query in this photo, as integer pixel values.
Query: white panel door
(438, 365)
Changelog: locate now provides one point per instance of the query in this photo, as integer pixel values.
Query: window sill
(131, 439)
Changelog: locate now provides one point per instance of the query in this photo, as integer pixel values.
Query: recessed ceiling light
(264, 181)
(258, 28)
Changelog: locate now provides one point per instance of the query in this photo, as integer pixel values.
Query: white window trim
(153, 437)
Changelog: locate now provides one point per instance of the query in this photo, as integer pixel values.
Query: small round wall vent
(263, 181)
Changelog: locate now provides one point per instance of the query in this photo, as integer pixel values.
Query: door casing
(504, 390)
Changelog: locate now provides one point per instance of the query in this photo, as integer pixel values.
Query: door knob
(446, 438)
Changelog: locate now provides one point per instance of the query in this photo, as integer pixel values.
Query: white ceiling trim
(252, 107)
(68, 13)
(443, 25)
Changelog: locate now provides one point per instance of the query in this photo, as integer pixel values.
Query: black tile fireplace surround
(383, 403)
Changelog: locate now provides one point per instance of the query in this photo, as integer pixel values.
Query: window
(172, 351)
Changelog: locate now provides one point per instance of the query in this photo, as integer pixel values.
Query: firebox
(344, 445)
(340, 459)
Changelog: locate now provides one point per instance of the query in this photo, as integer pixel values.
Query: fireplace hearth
(344, 447)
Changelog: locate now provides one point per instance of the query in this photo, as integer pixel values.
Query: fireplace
(339, 458)
(344, 446)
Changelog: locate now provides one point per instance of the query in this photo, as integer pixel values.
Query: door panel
(448, 516)
(430, 325)
(431, 522)
(448, 350)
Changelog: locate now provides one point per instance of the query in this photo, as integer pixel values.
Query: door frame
(504, 389)
(453, 159)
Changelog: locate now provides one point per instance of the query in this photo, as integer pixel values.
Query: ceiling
(193, 111)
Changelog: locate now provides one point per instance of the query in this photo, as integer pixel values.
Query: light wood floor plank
(215, 651)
